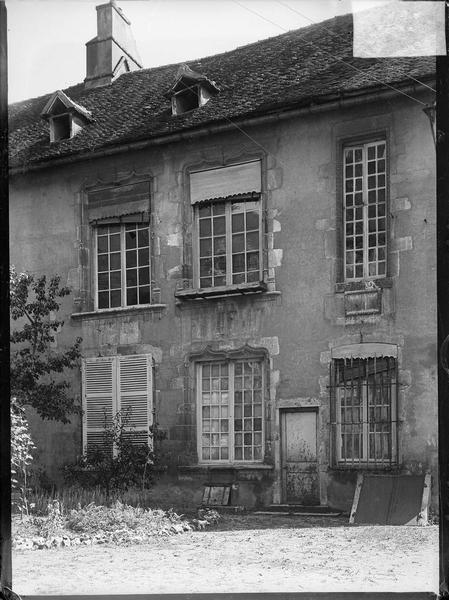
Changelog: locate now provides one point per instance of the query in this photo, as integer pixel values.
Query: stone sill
(201, 299)
(361, 313)
(359, 286)
(365, 467)
(221, 291)
(122, 310)
(228, 467)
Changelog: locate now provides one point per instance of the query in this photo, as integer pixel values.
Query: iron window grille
(363, 406)
(122, 265)
(229, 243)
(365, 210)
(230, 411)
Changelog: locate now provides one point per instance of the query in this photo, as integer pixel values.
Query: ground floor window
(363, 410)
(116, 388)
(230, 411)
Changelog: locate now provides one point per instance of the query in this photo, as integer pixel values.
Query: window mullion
(123, 265)
(365, 211)
(95, 268)
(199, 402)
(365, 427)
(228, 225)
(231, 411)
(196, 246)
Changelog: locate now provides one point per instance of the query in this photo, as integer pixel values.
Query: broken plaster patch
(270, 343)
(275, 257)
(174, 239)
(325, 357)
(322, 224)
(323, 381)
(399, 204)
(129, 333)
(175, 272)
(402, 244)
(276, 226)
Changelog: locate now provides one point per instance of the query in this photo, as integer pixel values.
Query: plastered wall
(301, 316)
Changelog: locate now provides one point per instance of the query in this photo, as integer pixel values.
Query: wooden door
(299, 457)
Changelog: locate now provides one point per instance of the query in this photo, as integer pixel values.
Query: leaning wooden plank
(355, 502)
(424, 512)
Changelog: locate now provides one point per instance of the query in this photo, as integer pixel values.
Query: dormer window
(190, 90)
(65, 117)
(188, 99)
(60, 127)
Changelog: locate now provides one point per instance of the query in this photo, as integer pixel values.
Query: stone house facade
(249, 240)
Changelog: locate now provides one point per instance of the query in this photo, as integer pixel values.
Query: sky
(46, 39)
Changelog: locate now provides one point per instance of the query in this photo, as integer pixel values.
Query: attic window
(187, 99)
(190, 90)
(60, 127)
(64, 116)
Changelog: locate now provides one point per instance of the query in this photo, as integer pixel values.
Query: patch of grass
(92, 519)
(92, 524)
(74, 497)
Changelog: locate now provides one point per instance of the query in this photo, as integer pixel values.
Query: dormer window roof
(190, 90)
(65, 117)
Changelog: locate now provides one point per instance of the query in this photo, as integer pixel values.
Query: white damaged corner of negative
(393, 29)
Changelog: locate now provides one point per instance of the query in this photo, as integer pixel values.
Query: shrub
(131, 465)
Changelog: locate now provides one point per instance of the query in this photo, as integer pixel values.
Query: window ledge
(360, 286)
(221, 291)
(227, 467)
(364, 467)
(107, 312)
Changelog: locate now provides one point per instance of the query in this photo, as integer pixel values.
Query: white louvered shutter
(99, 394)
(135, 397)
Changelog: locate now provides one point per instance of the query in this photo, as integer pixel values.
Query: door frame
(282, 417)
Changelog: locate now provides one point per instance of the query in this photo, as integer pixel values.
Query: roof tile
(297, 68)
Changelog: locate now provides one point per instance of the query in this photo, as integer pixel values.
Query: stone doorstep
(299, 509)
(302, 513)
(225, 508)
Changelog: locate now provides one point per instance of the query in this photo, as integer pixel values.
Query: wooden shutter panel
(135, 395)
(99, 392)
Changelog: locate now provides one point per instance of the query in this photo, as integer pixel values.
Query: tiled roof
(294, 69)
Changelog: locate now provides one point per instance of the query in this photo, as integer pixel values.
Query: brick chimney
(113, 51)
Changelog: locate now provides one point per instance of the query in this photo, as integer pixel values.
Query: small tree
(34, 363)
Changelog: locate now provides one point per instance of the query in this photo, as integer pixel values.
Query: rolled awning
(119, 201)
(223, 182)
(365, 350)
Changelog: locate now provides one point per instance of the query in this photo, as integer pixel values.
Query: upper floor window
(229, 240)
(230, 411)
(364, 211)
(122, 265)
(228, 233)
(364, 406)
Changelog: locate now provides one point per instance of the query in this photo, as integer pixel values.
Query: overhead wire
(366, 73)
(370, 75)
(342, 38)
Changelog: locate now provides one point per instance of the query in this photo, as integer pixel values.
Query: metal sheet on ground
(390, 500)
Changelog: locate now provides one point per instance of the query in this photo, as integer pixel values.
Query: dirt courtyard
(249, 553)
